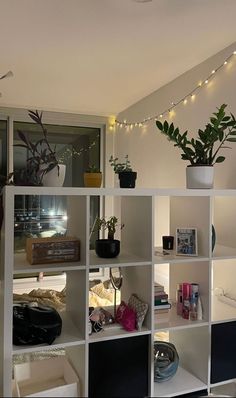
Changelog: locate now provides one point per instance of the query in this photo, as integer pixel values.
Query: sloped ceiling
(100, 56)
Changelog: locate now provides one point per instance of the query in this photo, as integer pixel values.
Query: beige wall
(155, 159)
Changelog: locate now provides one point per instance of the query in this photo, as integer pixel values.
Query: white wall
(155, 159)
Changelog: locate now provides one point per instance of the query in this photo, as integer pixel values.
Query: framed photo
(186, 241)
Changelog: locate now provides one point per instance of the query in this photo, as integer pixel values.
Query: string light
(69, 152)
(174, 104)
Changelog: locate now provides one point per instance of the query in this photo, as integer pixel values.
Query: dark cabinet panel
(119, 368)
(223, 352)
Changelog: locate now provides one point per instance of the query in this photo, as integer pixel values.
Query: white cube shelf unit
(147, 214)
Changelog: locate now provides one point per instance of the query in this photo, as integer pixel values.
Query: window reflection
(46, 216)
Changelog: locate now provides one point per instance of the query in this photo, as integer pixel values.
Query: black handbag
(35, 324)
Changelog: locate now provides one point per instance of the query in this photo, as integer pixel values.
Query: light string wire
(191, 94)
(67, 153)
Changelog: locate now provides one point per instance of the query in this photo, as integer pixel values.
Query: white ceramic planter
(52, 179)
(199, 177)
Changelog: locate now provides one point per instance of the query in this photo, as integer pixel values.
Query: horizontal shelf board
(21, 190)
(70, 335)
(223, 252)
(222, 383)
(22, 266)
(172, 258)
(123, 260)
(116, 332)
(182, 382)
(176, 322)
(222, 312)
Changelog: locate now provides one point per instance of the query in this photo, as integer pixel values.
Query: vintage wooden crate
(52, 250)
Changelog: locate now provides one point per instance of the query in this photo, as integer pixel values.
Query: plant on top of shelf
(42, 157)
(93, 169)
(109, 247)
(119, 167)
(93, 177)
(127, 176)
(204, 151)
(109, 224)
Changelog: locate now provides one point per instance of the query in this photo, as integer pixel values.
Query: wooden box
(52, 250)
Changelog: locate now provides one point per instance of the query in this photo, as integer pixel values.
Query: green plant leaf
(226, 118)
(220, 159)
(159, 125)
(165, 126)
(221, 135)
(171, 129)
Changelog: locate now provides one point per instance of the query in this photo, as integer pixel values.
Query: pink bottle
(186, 300)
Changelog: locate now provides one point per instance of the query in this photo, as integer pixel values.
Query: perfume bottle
(194, 288)
(179, 299)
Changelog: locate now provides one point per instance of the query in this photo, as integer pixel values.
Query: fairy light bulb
(225, 63)
(234, 52)
(161, 116)
(213, 71)
(206, 81)
(185, 101)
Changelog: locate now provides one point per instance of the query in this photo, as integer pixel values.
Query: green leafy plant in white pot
(204, 151)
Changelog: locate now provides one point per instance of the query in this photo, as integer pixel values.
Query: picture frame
(186, 242)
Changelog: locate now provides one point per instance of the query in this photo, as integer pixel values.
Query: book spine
(162, 306)
(160, 301)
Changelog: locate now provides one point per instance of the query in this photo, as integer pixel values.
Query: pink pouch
(126, 316)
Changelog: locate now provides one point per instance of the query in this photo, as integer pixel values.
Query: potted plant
(127, 176)
(203, 152)
(42, 163)
(110, 247)
(92, 177)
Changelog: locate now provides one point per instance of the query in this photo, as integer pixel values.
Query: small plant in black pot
(127, 176)
(110, 247)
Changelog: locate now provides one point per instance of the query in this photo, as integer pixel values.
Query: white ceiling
(100, 56)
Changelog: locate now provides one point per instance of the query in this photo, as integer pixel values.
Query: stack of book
(161, 304)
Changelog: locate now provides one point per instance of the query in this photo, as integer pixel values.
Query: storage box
(52, 250)
(46, 378)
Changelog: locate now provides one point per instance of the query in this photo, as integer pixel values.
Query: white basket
(46, 378)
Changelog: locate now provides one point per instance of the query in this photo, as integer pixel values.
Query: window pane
(76, 147)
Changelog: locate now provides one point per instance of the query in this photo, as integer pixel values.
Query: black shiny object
(127, 179)
(107, 248)
(166, 361)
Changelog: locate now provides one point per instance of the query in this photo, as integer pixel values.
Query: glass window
(77, 148)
